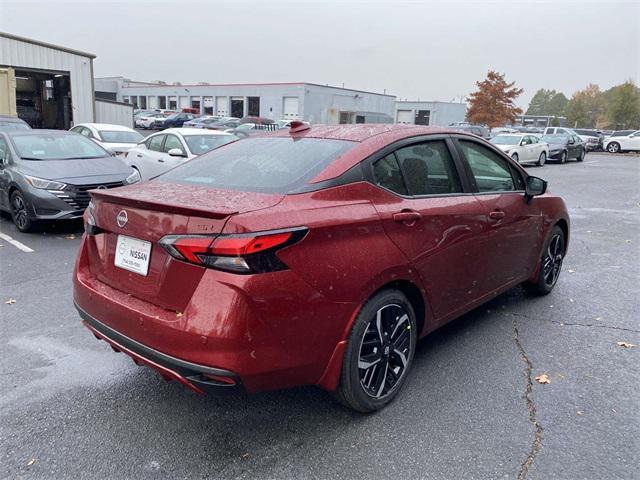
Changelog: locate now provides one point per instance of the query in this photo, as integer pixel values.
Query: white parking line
(15, 243)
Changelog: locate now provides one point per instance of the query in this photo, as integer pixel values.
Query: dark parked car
(565, 147)
(177, 120)
(223, 124)
(47, 174)
(313, 256)
(11, 123)
(478, 130)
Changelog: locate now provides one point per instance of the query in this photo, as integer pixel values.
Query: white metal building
(53, 85)
(304, 101)
(429, 113)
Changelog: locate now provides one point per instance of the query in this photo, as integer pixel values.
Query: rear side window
(428, 169)
(491, 172)
(388, 175)
(155, 143)
(260, 164)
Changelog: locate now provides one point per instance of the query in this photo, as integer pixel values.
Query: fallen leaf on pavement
(571, 271)
(31, 462)
(544, 379)
(625, 344)
(579, 412)
(11, 301)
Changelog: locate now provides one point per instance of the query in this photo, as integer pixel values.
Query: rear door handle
(139, 156)
(161, 160)
(408, 217)
(496, 215)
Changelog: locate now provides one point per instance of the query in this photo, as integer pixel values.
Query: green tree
(623, 105)
(547, 102)
(586, 107)
(493, 103)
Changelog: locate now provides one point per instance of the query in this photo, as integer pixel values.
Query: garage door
(290, 108)
(404, 116)
(222, 105)
(184, 102)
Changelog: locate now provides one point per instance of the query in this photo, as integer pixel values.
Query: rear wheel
(613, 147)
(542, 159)
(514, 157)
(550, 263)
(379, 352)
(581, 156)
(19, 212)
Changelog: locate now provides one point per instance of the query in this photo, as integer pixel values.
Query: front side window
(4, 151)
(428, 169)
(491, 172)
(155, 143)
(260, 164)
(388, 175)
(173, 142)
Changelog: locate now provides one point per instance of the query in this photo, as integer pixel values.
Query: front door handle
(139, 155)
(496, 215)
(161, 160)
(408, 217)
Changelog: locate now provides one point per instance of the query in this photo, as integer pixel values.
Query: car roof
(11, 118)
(105, 126)
(193, 131)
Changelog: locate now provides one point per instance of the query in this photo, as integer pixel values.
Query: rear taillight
(245, 253)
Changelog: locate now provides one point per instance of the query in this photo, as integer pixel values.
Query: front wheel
(542, 159)
(515, 157)
(581, 156)
(379, 352)
(550, 263)
(613, 147)
(563, 157)
(19, 212)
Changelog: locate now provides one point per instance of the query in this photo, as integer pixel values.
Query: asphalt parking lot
(72, 408)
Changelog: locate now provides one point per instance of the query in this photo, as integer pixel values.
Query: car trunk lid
(153, 210)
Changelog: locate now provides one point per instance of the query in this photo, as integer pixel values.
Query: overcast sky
(425, 50)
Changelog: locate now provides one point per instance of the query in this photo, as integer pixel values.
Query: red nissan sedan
(315, 256)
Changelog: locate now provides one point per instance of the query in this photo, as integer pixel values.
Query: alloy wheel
(19, 211)
(385, 350)
(542, 159)
(613, 147)
(552, 261)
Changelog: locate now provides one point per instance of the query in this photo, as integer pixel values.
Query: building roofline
(428, 101)
(144, 84)
(47, 45)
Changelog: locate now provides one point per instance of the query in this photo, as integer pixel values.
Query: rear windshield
(6, 126)
(269, 165)
(119, 136)
(506, 140)
(199, 144)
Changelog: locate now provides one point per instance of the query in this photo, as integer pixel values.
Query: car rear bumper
(199, 378)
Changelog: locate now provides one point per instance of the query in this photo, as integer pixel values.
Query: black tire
(542, 159)
(563, 157)
(613, 147)
(514, 157)
(378, 339)
(581, 156)
(20, 212)
(550, 263)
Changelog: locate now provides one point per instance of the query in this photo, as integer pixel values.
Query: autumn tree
(493, 103)
(586, 107)
(547, 102)
(623, 105)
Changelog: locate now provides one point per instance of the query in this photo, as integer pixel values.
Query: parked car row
(533, 149)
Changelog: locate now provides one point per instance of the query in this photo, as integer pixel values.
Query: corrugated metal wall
(114, 113)
(18, 53)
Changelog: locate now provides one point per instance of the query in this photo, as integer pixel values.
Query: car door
(5, 177)
(146, 158)
(432, 218)
(526, 149)
(167, 162)
(514, 226)
(535, 148)
(631, 142)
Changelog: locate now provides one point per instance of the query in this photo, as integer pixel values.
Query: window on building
(195, 103)
(422, 117)
(162, 102)
(173, 103)
(125, 99)
(253, 106)
(143, 102)
(134, 101)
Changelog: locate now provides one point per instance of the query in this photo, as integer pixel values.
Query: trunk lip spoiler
(163, 207)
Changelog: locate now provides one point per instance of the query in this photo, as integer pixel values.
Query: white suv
(620, 144)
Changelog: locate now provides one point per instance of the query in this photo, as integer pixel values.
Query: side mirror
(522, 142)
(535, 186)
(176, 152)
